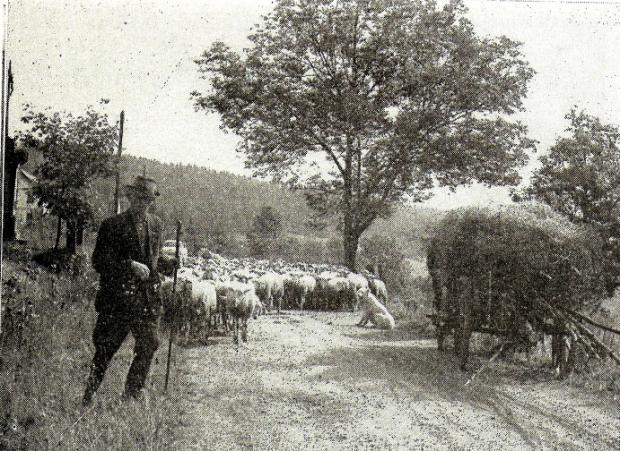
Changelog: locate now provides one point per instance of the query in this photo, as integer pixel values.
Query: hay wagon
(515, 273)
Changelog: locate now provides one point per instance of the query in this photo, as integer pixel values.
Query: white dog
(374, 311)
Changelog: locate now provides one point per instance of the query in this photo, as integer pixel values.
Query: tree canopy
(75, 149)
(580, 175)
(580, 178)
(365, 103)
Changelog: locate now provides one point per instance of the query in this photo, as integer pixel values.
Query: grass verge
(46, 349)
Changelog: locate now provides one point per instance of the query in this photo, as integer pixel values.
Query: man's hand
(140, 270)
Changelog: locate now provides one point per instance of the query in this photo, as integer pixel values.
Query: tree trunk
(349, 236)
(79, 233)
(58, 232)
(13, 158)
(71, 236)
(351, 241)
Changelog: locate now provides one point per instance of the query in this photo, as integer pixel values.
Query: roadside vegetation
(45, 343)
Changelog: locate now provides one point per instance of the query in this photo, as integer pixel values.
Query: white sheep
(270, 289)
(241, 303)
(195, 301)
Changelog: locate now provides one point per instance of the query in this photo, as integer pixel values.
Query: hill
(212, 205)
(217, 209)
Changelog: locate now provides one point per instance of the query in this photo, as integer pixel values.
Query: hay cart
(516, 272)
(462, 307)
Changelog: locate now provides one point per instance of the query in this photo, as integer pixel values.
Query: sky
(139, 54)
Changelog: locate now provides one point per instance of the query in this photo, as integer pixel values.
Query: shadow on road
(417, 368)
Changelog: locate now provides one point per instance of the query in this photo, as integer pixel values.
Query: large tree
(75, 150)
(364, 103)
(580, 178)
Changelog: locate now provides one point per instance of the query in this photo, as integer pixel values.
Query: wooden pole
(499, 351)
(173, 319)
(592, 322)
(4, 120)
(2, 156)
(117, 197)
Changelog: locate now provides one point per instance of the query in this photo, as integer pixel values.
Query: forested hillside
(217, 210)
(213, 201)
(411, 226)
(209, 203)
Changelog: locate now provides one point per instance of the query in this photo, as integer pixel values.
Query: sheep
(336, 293)
(377, 287)
(374, 311)
(241, 303)
(270, 289)
(298, 287)
(192, 306)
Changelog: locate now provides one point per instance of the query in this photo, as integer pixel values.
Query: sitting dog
(374, 311)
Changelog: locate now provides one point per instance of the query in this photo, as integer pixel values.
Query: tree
(75, 150)
(580, 178)
(266, 230)
(364, 103)
(580, 175)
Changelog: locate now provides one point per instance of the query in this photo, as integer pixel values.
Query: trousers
(110, 331)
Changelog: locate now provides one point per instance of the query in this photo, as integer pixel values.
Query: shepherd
(125, 256)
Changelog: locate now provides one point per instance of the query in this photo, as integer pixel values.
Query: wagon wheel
(462, 333)
(458, 339)
(442, 329)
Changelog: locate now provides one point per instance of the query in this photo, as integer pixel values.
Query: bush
(63, 261)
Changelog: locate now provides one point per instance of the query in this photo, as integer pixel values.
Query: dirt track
(315, 381)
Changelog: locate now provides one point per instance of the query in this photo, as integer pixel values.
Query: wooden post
(117, 197)
(2, 146)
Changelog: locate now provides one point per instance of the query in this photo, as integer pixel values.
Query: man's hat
(143, 186)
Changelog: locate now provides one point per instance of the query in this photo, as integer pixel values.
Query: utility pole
(117, 197)
(11, 158)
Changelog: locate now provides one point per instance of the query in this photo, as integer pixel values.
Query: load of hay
(523, 262)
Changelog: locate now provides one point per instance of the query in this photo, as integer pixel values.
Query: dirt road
(315, 381)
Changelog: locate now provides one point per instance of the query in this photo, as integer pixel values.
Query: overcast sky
(139, 54)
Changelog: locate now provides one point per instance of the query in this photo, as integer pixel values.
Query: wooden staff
(117, 198)
(174, 289)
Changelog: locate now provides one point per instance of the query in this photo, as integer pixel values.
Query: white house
(25, 207)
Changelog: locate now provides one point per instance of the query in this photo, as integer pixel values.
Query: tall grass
(46, 350)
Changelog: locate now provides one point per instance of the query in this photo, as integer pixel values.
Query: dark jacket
(117, 244)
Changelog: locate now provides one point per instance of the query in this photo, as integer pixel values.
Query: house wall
(25, 207)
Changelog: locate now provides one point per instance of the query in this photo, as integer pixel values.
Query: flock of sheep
(216, 290)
